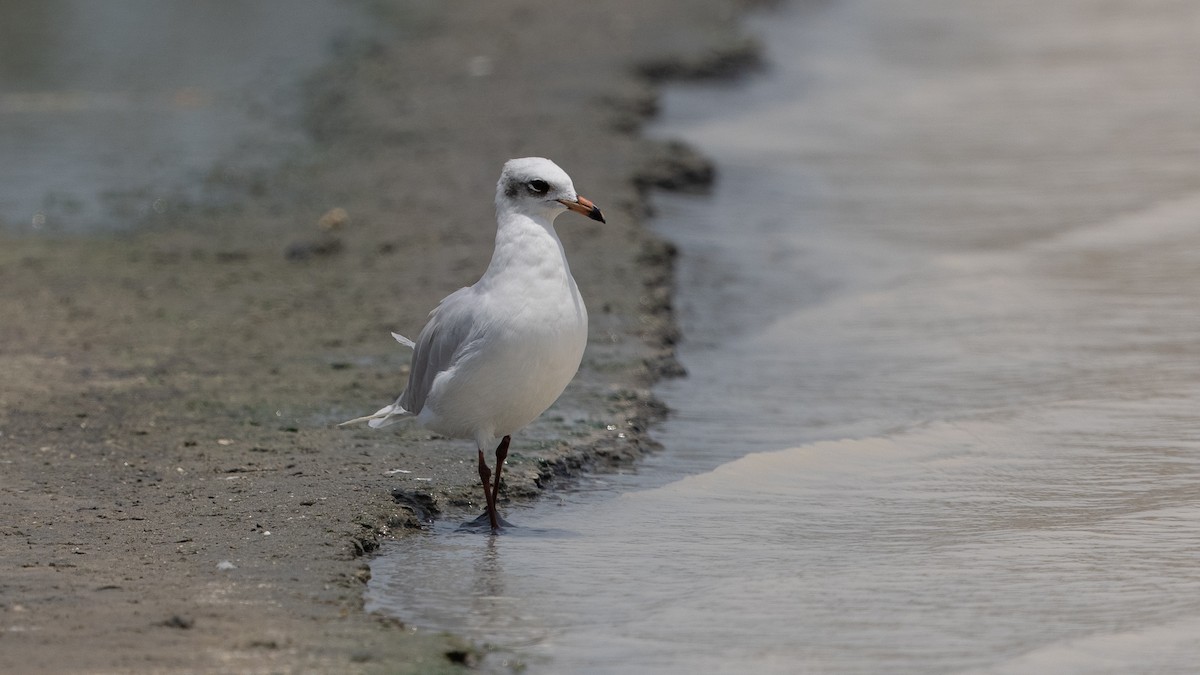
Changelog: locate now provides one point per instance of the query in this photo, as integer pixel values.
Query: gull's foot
(483, 524)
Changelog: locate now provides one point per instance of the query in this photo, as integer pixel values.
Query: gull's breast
(513, 371)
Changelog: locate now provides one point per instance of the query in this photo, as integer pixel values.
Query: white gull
(496, 354)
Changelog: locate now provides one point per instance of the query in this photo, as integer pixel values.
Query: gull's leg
(501, 455)
(485, 475)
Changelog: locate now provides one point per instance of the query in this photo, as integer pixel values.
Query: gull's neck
(527, 247)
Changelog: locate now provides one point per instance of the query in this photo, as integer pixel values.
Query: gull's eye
(539, 187)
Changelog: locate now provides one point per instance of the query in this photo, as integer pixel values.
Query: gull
(495, 355)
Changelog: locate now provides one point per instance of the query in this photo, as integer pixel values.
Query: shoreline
(171, 392)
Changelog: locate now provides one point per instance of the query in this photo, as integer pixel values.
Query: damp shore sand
(177, 496)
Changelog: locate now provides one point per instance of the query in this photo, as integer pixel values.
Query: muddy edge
(177, 496)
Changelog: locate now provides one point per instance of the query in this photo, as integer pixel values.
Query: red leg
(485, 475)
(501, 455)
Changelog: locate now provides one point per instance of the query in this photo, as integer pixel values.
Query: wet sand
(169, 395)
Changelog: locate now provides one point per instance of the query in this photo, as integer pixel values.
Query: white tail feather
(389, 413)
(384, 416)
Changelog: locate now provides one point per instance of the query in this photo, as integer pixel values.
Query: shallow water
(941, 333)
(110, 111)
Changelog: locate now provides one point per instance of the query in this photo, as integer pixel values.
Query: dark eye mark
(538, 186)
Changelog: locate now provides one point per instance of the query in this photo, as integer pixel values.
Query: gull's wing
(450, 326)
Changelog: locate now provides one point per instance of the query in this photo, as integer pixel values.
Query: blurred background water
(942, 334)
(111, 111)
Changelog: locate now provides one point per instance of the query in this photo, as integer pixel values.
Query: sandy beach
(177, 496)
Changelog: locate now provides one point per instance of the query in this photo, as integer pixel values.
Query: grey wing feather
(449, 327)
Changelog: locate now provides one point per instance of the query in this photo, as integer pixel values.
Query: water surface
(113, 110)
(941, 331)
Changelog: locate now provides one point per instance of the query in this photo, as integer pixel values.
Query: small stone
(180, 622)
(334, 219)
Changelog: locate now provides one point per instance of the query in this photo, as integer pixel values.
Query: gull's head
(537, 187)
